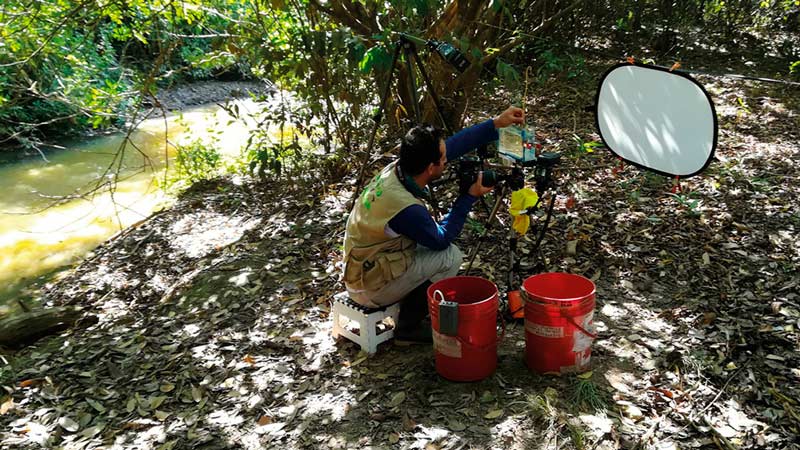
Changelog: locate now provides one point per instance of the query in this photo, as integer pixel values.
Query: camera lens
(489, 178)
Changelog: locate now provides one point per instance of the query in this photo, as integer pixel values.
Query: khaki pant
(428, 264)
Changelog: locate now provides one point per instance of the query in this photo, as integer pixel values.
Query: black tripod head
(452, 55)
(449, 53)
(543, 170)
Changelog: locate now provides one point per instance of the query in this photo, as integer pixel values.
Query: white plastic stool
(367, 320)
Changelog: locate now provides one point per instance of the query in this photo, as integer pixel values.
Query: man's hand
(511, 116)
(478, 189)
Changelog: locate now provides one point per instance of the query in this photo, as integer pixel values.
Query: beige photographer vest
(372, 259)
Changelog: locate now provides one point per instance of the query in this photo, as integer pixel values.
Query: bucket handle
(570, 319)
(583, 330)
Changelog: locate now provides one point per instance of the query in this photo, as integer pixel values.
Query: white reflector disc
(656, 119)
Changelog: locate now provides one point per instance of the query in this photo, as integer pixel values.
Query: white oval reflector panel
(656, 119)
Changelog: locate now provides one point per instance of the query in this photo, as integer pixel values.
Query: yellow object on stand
(522, 200)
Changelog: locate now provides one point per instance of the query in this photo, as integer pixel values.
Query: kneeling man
(393, 249)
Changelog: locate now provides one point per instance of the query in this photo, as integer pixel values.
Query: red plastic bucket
(559, 309)
(470, 354)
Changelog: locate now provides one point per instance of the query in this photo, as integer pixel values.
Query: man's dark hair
(420, 147)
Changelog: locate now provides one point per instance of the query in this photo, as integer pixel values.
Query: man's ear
(430, 169)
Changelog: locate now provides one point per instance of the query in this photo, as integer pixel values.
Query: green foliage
(67, 65)
(691, 205)
(270, 158)
(794, 69)
(508, 74)
(541, 407)
(474, 226)
(586, 395)
(377, 57)
(583, 146)
(197, 161)
(625, 23)
(553, 62)
(577, 435)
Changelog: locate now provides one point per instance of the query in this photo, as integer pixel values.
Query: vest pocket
(371, 268)
(396, 263)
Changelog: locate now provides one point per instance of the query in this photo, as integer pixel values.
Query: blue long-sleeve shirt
(416, 223)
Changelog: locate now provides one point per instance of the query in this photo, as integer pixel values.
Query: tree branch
(342, 14)
(518, 40)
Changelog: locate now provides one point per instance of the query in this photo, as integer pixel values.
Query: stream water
(40, 232)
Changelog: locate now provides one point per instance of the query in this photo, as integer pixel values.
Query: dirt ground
(213, 323)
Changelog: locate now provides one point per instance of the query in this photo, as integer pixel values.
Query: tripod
(406, 44)
(543, 175)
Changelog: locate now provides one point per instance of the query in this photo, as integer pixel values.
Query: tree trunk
(26, 327)
(475, 22)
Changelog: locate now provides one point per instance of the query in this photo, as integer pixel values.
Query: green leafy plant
(742, 109)
(692, 205)
(554, 62)
(794, 69)
(262, 160)
(577, 435)
(540, 407)
(197, 161)
(508, 74)
(583, 146)
(474, 226)
(625, 23)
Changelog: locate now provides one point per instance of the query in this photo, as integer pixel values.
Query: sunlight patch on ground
(334, 406)
(428, 434)
(242, 278)
(613, 312)
(201, 233)
(621, 380)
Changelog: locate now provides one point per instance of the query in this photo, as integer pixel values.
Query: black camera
(468, 169)
(543, 170)
(467, 172)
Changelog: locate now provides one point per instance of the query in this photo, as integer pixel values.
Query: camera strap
(411, 185)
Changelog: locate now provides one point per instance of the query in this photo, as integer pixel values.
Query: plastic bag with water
(517, 143)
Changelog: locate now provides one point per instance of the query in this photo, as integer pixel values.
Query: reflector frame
(656, 119)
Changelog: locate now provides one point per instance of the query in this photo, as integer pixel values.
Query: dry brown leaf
(6, 405)
(264, 420)
(408, 423)
(136, 426)
(249, 360)
(572, 247)
(28, 383)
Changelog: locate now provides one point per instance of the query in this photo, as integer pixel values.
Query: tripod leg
(410, 51)
(475, 249)
(432, 92)
(377, 118)
(513, 262)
